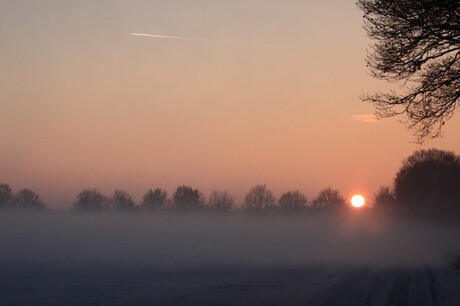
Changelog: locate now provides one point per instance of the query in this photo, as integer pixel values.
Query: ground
(67, 258)
(307, 285)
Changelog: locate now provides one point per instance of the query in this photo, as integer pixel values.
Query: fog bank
(175, 240)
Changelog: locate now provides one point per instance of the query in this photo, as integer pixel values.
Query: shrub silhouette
(329, 199)
(188, 199)
(121, 200)
(90, 200)
(28, 199)
(292, 201)
(220, 201)
(259, 198)
(6, 196)
(154, 199)
(384, 198)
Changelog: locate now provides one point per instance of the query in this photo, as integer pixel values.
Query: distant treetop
(28, 199)
(90, 200)
(259, 198)
(292, 201)
(154, 199)
(188, 199)
(329, 199)
(6, 196)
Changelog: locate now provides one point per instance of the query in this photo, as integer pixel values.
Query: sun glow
(357, 201)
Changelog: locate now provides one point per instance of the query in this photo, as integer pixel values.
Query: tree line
(185, 198)
(427, 184)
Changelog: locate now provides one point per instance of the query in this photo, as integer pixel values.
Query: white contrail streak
(199, 39)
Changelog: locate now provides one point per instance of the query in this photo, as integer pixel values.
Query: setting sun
(357, 200)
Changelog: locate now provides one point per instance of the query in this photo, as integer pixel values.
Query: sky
(259, 92)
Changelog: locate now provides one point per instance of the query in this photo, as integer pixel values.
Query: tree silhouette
(292, 201)
(220, 201)
(259, 198)
(154, 199)
(329, 199)
(90, 200)
(6, 196)
(121, 200)
(188, 199)
(28, 199)
(428, 183)
(384, 198)
(418, 43)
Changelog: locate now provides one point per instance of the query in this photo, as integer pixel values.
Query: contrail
(201, 39)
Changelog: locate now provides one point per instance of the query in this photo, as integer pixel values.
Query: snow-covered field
(295, 285)
(144, 259)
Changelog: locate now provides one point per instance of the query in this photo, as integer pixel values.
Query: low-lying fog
(178, 240)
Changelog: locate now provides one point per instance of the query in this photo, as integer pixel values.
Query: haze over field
(178, 241)
(85, 104)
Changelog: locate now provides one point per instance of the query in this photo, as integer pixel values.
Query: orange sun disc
(358, 201)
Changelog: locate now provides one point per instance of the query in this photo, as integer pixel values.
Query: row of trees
(185, 198)
(258, 199)
(427, 184)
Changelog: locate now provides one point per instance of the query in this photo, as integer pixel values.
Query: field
(113, 259)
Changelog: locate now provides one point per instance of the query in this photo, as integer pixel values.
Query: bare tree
(28, 199)
(90, 200)
(121, 200)
(154, 199)
(6, 196)
(292, 201)
(418, 43)
(188, 199)
(259, 198)
(329, 199)
(220, 201)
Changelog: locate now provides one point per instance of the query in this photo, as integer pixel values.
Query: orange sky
(85, 104)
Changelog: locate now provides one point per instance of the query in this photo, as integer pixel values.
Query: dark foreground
(308, 285)
(192, 259)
